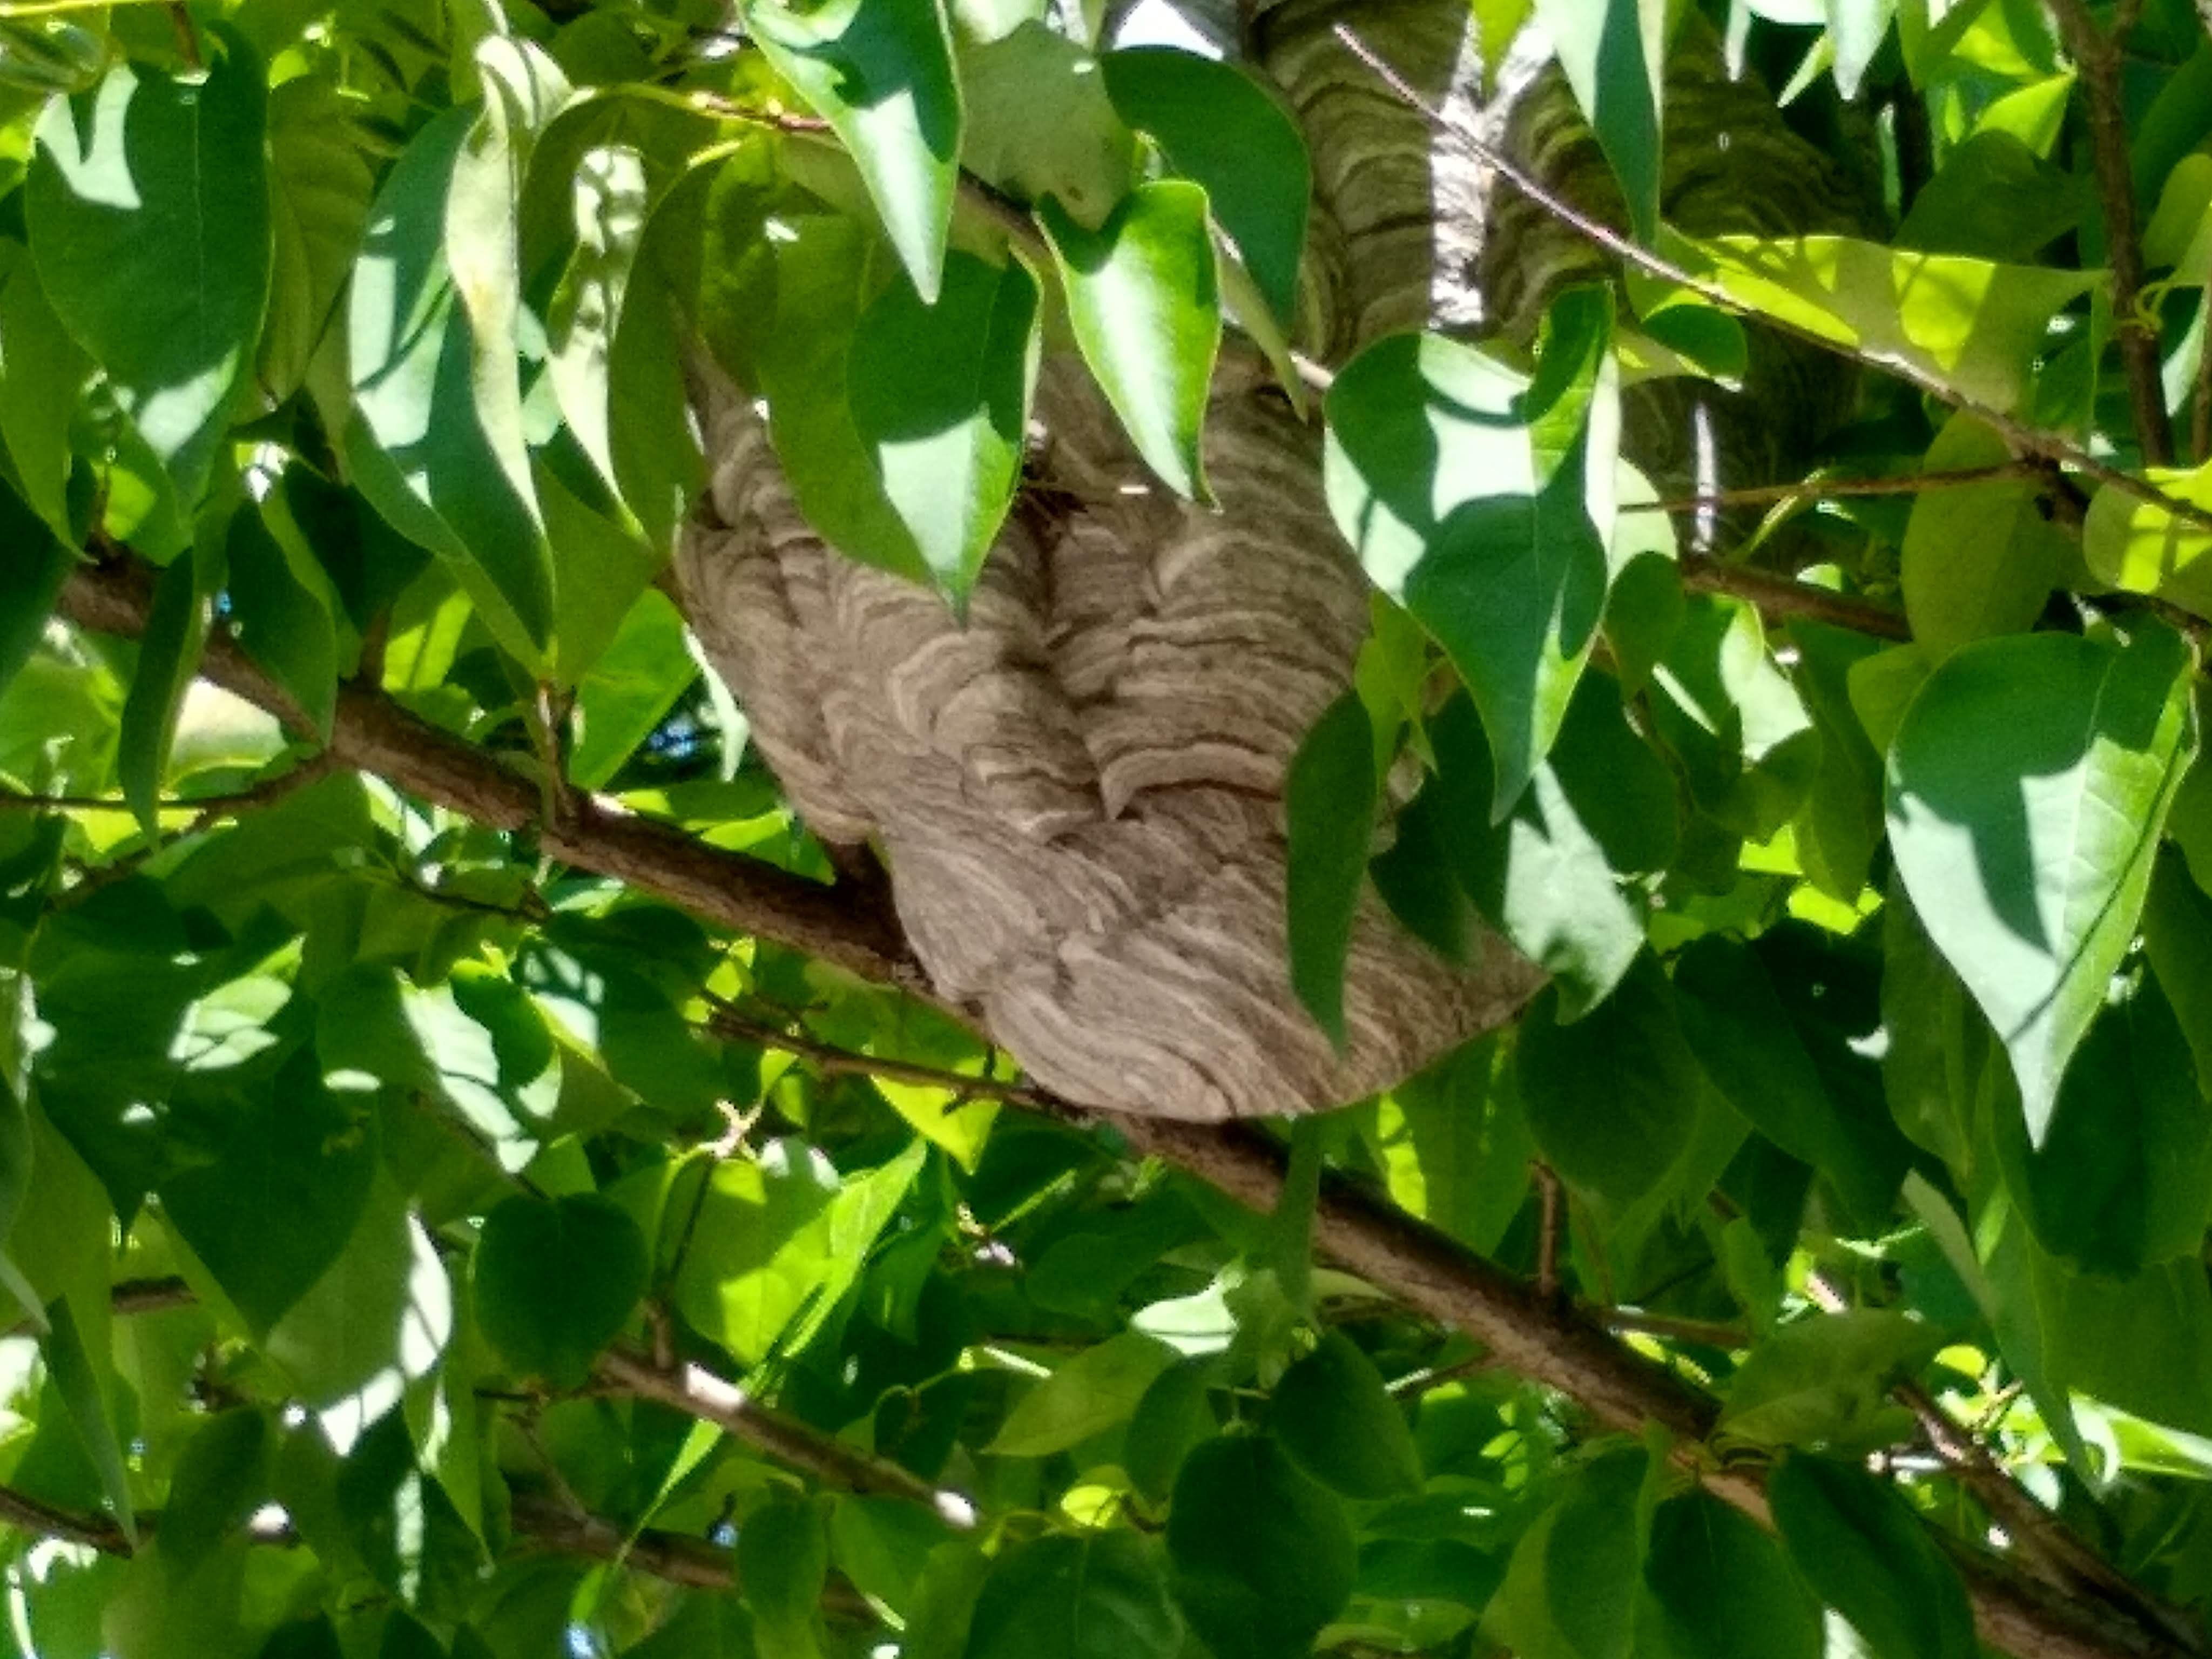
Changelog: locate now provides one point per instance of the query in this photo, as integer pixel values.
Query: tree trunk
(1077, 791)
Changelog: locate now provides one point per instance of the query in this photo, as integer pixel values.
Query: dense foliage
(471, 1182)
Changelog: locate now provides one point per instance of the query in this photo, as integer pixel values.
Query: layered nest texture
(1078, 789)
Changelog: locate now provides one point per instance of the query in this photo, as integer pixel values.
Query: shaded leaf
(1263, 1556)
(1612, 1098)
(1333, 1414)
(1219, 129)
(143, 175)
(1329, 801)
(1098, 1596)
(554, 1281)
(1868, 1555)
(2027, 789)
(940, 397)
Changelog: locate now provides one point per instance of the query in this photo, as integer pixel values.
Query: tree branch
(1780, 597)
(1821, 489)
(728, 1022)
(1557, 1347)
(697, 1392)
(373, 734)
(2099, 60)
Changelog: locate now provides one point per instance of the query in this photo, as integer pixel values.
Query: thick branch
(372, 733)
(1555, 1346)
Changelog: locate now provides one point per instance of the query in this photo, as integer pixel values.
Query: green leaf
(1868, 1555)
(1098, 1595)
(1840, 825)
(1219, 129)
(1748, 1044)
(1978, 559)
(1263, 1556)
(2178, 939)
(1826, 1378)
(783, 1561)
(1994, 199)
(438, 446)
(804, 369)
(554, 1281)
(168, 657)
(1174, 1416)
(1612, 60)
(146, 178)
(1333, 1414)
(2092, 1331)
(221, 1480)
(2026, 789)
(1040, 122)
(1454, 1147)
(1972, 327)
(1724, 1589)
(1448, 474)
(1737, 728)
(945, 1603)
(884, 1545)
(283, 1181)
(940, 398)
(1541, 877)
(2132, 544)
(1612, 1098)
(1143, 299)
(284, 611)
(31, 578)
(1573, 1587)
(880, 72)
(321, 185)
(781, 1235)
(630, 689)
(76, 1377)
(42, 375)
(1329, 801)
(1088, 1395)
(2123, 1179)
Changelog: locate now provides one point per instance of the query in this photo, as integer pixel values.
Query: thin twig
(1711, 1332)
(1910, 483)
(2024, 439)
(1551, 1220)
(209, 809)
(2200, 402)
(2099, 61)
(697, 1392)
(726, 1021)
(188, 42)
(26, 1514)
(1784, 598)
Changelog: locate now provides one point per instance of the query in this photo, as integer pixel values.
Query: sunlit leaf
(880, 72)
(1142, 297)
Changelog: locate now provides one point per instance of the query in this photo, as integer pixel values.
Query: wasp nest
(1078, 792)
